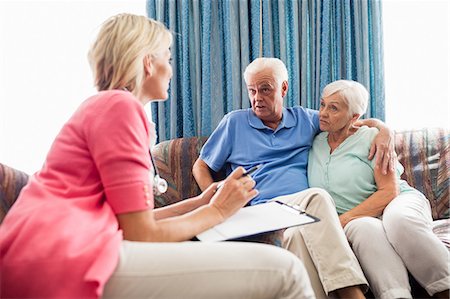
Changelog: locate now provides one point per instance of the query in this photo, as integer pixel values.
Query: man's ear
(284, 88)
(148, 65)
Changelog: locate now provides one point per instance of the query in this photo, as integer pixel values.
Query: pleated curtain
(214, 40)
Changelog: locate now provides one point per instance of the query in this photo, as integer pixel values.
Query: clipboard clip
(297, 208)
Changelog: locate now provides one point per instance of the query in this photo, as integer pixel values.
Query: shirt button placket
(327, 172)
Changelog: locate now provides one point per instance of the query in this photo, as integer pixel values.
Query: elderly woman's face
(333, 113)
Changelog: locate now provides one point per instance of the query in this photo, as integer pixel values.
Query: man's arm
(202, 174)
(383, 146)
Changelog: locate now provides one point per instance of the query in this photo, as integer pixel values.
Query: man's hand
(383, 146)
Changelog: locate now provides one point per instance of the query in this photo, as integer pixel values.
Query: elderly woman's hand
(236, 191)
(344, 219)
(383, 146)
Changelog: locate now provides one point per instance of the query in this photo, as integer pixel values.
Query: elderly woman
(85, 225)
(387, 222)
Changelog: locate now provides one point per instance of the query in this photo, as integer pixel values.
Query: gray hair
(262, 63)
(354, 94)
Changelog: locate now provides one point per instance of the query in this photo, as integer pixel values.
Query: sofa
(424, 153)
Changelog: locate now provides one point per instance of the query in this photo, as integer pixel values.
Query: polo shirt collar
(288, 120)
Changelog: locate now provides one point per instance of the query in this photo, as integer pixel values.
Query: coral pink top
(61, 238)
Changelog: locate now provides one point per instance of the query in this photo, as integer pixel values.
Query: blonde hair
(259, 64)
(117, 55)
(353, 93)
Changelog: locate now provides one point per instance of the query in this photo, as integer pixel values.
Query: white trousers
(322, 246)
(207, 270)
(402, 240)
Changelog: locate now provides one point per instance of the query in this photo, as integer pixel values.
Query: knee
(398, 224)
(321, 197)
(406, 212)
(363, 230)
(290, 270)
(291, 235)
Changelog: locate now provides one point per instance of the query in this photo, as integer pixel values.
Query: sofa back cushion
(174, 159)
(425, 155)
(11, 182)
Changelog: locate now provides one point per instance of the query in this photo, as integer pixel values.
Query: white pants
(207, 270)
(402, 240)
(322, 246)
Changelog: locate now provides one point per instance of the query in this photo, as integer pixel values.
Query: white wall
(44, 72)
(417, 63)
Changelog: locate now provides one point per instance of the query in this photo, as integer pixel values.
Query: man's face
(266, 96)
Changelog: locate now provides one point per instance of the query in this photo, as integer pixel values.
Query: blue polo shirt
(241, 139)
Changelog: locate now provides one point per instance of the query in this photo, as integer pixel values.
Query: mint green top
(347, 174)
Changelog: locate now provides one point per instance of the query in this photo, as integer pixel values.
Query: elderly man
(280, 139)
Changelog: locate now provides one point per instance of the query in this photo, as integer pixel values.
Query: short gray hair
(262, 63)
(353, 93)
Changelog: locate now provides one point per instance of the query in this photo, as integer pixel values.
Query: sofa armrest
(425, 155)
(174, 159)
(11, 183)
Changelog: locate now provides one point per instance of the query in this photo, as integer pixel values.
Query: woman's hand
(183, 220)
(344, 219)
(205, 197)
(235, 192)
(383, 146)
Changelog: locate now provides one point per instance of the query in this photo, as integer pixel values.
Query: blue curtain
(319, 41)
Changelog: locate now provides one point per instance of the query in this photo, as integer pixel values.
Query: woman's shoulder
(366, 133)
(320, 139)
(111, 102)
(114, 97)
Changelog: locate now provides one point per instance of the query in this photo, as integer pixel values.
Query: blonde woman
(387, 222)
(85, 225)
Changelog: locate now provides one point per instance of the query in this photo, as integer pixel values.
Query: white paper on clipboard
(257, 219)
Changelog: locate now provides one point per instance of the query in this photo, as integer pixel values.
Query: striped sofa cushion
(11, 182)
(425, 155)
(174, 160)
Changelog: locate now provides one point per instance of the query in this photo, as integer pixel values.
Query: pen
(247, 172)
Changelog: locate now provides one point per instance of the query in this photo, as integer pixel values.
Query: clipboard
(257, 219)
